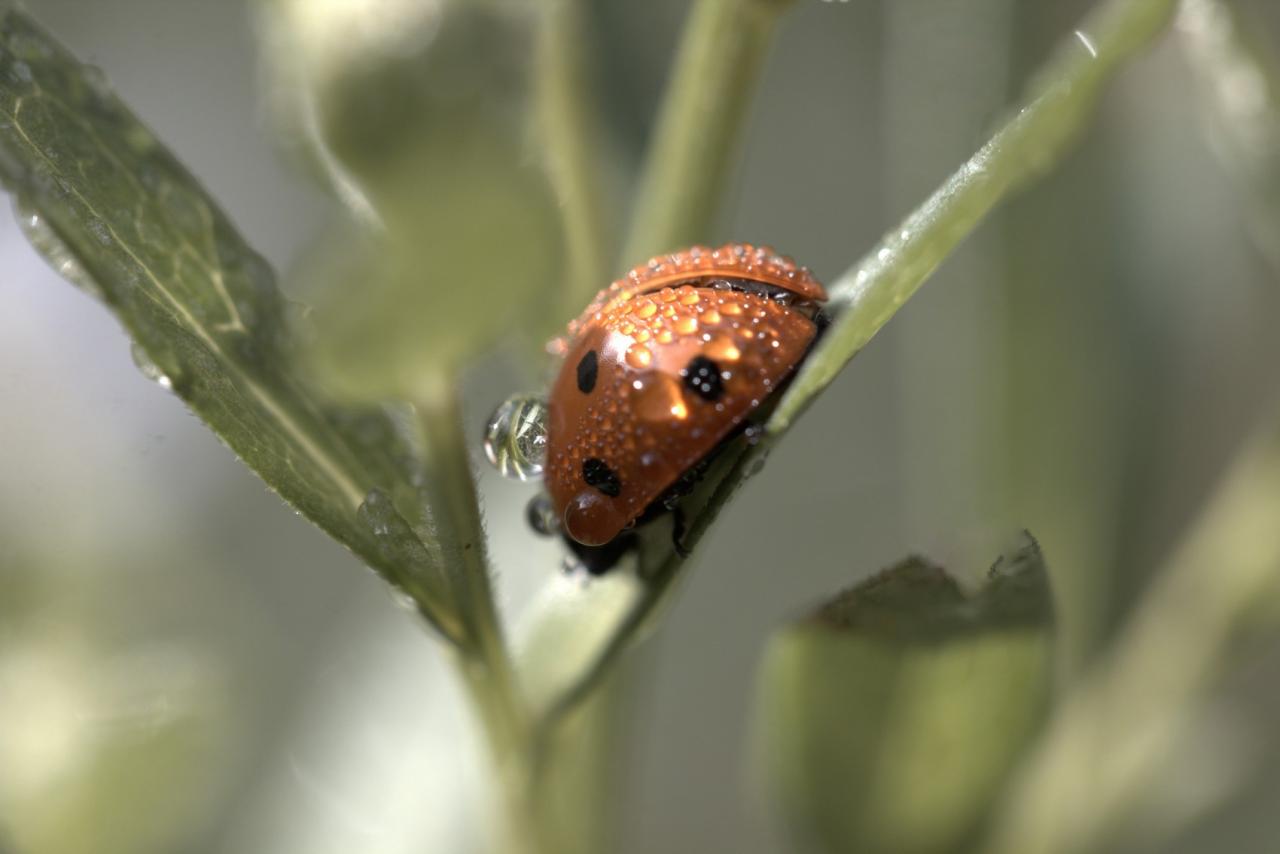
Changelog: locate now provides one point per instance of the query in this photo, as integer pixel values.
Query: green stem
(572, 142)
(484, 663)
(659, 567)
(504, 723)
(451, 512)
(1240, 81)
(1030, 143)
(688, 161)
(537, 820)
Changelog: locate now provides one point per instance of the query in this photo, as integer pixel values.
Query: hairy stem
(484, 661)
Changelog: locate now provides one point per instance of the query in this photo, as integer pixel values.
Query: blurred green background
(185, 665)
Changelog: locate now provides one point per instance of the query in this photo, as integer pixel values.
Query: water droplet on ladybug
(515, 439)
(639, 357)
(658, 397)
(722, 349)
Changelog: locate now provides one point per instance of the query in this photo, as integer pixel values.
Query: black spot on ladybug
(588, 367)
(598, 474)
(702, 377)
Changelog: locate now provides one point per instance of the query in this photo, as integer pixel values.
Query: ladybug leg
(678, 532)
(597, 560)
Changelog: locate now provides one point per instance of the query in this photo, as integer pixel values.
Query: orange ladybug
(664, 366)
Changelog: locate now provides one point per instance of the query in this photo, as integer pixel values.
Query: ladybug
(663, 367)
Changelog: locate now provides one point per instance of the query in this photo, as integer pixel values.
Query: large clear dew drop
(52, 249)
(515, 439)
(149, 369)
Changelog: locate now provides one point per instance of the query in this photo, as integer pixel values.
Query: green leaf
(892, 715)
(201, 306)
(1106, 755)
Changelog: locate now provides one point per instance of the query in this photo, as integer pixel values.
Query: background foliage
(1084, 367)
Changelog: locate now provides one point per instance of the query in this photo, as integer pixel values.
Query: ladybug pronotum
(664, 366)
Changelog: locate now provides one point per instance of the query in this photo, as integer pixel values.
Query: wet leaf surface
(101, 194)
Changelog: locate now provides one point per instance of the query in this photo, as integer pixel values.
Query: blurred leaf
(1107, 751)
(401, 308)
(417, 113)
(107, 751)
(892, 715)
(200, 304)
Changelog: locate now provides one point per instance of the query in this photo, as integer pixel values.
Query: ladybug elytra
(664, 366)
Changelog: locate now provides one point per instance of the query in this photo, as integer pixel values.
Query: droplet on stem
(149, 369)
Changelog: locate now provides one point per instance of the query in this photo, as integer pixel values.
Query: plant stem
(1240, 82)
(658, 568)
(572, 142)
(1107, 746)
(1030, 143)
(537, 820)
(505, 728)
(484, 662)
(451, 511)
(688, 160)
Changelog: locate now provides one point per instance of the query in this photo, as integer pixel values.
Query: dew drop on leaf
(52, 249)
(377, 512)
(149, 368)
(515, 439)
